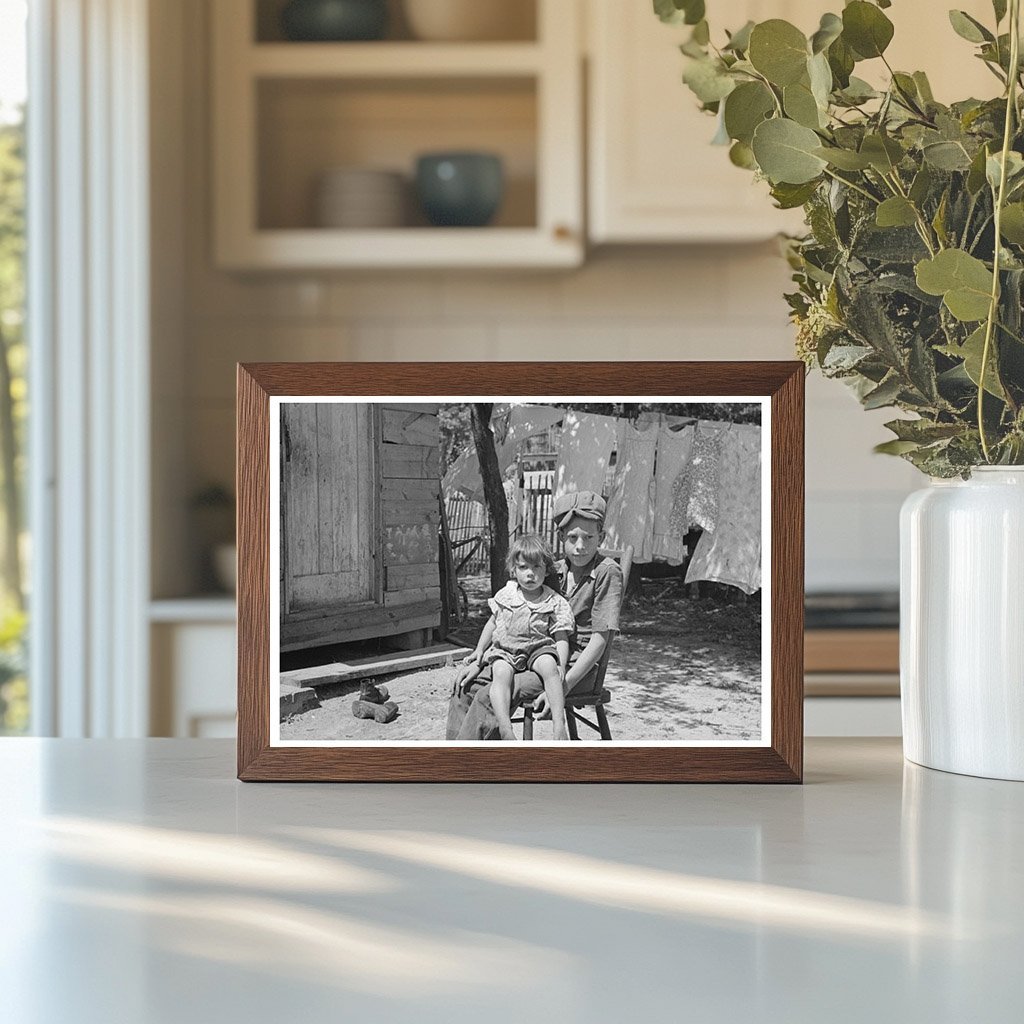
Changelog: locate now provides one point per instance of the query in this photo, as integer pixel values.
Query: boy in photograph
(592, 584)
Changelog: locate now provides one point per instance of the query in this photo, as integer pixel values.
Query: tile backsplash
(719, 302)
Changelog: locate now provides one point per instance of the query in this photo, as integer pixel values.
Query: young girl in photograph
(530, 628)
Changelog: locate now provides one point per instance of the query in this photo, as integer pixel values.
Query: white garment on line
(732, 552)
(674, 447)
(630, 516)
(588, 441)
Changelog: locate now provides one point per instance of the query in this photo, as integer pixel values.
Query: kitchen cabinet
(287, 113)
(653, 175)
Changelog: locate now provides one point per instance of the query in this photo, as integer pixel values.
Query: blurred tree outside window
(14, 548)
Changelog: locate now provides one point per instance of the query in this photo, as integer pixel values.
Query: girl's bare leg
(547, 668)
(501, 697)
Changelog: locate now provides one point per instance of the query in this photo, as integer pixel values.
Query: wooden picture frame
(781, 387)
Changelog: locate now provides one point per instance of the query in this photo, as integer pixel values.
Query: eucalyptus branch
(993, 309)
(981, 231)
(853, 185)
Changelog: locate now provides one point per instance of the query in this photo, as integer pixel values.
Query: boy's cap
(585, 504)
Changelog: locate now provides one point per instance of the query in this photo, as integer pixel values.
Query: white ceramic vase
(962, 624)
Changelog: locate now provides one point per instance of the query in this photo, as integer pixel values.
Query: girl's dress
(524, 631)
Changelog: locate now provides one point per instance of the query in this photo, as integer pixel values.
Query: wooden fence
(469, 529)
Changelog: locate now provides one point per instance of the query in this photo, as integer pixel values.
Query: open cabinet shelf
(286, 114)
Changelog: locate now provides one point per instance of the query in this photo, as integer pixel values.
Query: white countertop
(143, 884)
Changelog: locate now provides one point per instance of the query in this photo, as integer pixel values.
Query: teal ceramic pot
(334, 20)
(460, 189)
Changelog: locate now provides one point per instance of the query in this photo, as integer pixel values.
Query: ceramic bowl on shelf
(334, 20)
(460, 189)
(361, 198)
(467, 20)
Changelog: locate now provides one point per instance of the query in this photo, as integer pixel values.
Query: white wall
(654, 303)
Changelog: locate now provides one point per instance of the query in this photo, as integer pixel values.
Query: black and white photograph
(505, 570)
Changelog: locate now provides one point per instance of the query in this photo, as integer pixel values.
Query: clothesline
(670, 475)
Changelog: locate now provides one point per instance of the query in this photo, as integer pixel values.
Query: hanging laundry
(588, 441)
(673, 456)
(731, 553)
(695, 477)
(630, 516)
(701, 487)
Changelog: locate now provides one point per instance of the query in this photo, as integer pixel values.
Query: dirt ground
(682, 668)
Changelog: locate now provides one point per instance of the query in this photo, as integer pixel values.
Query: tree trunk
(11, 492)
(494, 493)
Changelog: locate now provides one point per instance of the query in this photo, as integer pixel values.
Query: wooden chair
(596, 696)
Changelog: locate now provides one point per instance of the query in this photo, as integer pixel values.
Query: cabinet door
(653, 174)
(330, 503)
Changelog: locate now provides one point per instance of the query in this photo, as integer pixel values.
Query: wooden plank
(417, 596)
(402, 426)
(377, 665)
(341, 628)
(851, 650)
(411, 460)
(298, 427)
(412, 513)
(410, 577)
(410, 490)
(410, 545)
(428, 407)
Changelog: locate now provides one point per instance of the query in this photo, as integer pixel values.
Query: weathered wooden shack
(359, 531)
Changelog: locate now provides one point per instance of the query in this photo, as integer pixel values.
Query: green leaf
(745, 108)
(924, 88)
(859, 91)
(844, 159)
(885, 394)
(739, 41)
(742, 155)
(1012, 223)
(923, 431)
(785, 152)
(820, 76)
(707, 80)
(830, 29)
(789, 197)
(676, 12)
(866, 29)
(895, 447)
(778, 50)
(800, 105)
(906, 89)
(841, 60)
(968, 28)
(963, 281)
(946, 156)
(971, 352)
(1014, 169)
(976, 174)
(921, 186)
(896, 212)
(883, 153)
(939, 220)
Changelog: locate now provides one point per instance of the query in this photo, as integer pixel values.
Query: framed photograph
(520, 572)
